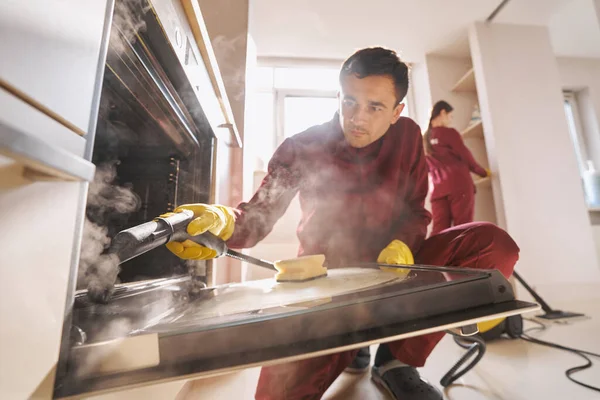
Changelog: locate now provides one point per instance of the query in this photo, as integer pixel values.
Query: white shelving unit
(474, 135)
(483, 182)
(466, 83)
(473, 131)
(453, 79)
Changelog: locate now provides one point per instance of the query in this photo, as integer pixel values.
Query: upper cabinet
(227, 27)
(50, 52)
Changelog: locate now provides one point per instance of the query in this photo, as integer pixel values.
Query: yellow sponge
(300, 269)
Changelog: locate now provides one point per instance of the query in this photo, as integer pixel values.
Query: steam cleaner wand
(142, 238)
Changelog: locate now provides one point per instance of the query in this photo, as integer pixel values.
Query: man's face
(368, 107)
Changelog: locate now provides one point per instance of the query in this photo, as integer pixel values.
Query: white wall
(520, 96)
(421, 94)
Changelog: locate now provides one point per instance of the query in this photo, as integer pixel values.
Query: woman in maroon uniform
(450, 163)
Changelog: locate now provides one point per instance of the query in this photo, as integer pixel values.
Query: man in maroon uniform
(362, 182)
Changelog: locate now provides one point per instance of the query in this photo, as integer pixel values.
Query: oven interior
(153, 145)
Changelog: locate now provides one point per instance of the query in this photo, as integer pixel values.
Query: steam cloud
(105, 199)
(127, 23)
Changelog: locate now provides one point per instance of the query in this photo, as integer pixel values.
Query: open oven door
(153, 331)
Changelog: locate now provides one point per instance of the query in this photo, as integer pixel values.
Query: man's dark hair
(378, 61)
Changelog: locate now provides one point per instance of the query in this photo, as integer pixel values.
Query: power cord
(581, 353)
(477, 345)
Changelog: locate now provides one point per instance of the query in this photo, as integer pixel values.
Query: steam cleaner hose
(477, 346)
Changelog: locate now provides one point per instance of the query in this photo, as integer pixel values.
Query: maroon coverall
(354, 203)
(450, 164)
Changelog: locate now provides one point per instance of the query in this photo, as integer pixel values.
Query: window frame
(579, 142)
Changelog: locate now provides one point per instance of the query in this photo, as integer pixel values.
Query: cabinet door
(50, 51)
(37, 236)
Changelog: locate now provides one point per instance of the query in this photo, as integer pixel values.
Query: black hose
(569, 372)
(476, 346)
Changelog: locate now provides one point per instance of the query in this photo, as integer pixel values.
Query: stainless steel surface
(196, 66)
(469, 330)
(43, 158)
(81, 203)
(249, 259)
(133, 71)
(124, 290)
(139, 239)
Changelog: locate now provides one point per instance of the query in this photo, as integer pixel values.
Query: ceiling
(332, 29)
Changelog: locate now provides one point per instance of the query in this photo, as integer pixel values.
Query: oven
(154, 146)
(162, 113)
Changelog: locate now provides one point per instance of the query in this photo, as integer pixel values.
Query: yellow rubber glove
(488, 171)
(396, 252)
(216, 219)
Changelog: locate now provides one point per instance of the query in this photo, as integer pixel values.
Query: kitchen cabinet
(50, 52)
(40, 143)
(42, 192)
(50, 61)
(37, 235)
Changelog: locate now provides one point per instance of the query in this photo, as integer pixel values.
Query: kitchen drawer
(16, 113)
(50, 50)
(40, 144)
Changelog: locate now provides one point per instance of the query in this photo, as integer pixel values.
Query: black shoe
(361, 362)
(404, 382)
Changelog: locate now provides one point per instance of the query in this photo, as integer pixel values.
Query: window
(581, 143)
(301, 112)
(288, 100)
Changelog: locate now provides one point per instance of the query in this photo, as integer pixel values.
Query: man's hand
(398, 253)
(216, 219)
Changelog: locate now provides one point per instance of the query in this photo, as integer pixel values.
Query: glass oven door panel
(260, 322)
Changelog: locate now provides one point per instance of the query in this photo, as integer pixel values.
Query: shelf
(473, 131)
(42, 160)
(483, 182)
(466, 83)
